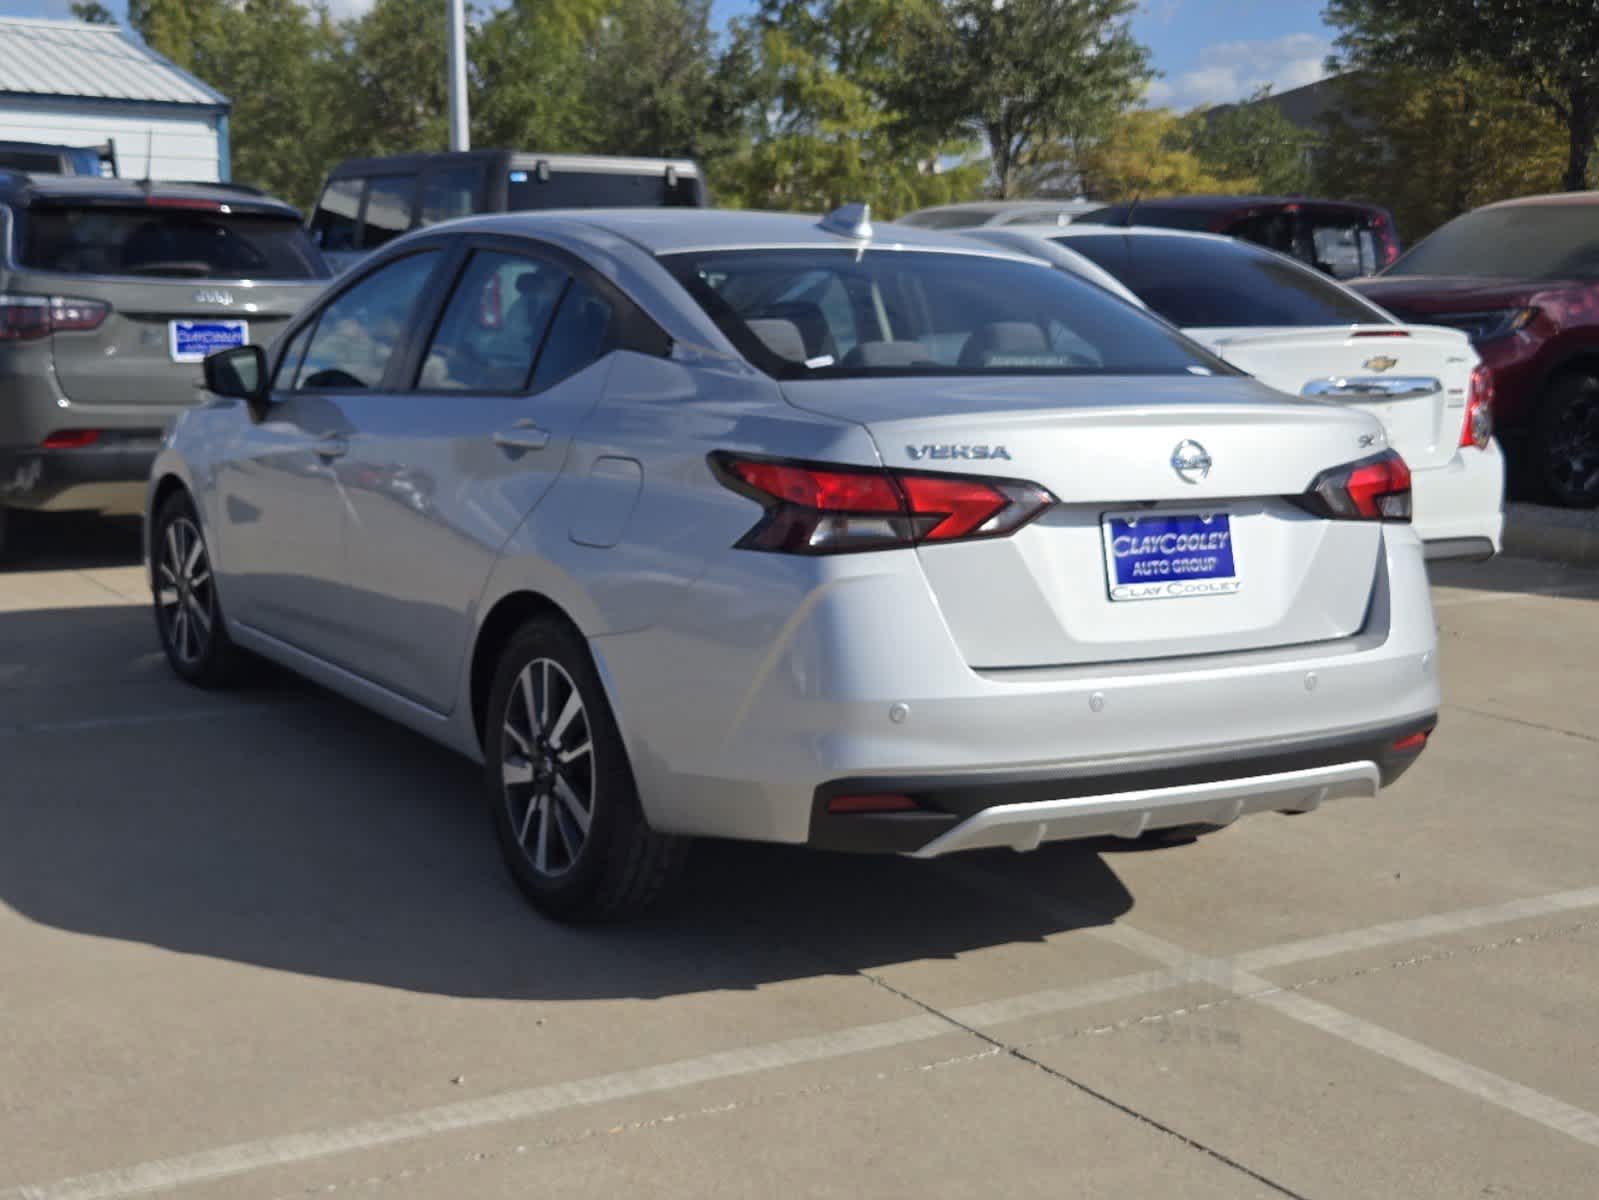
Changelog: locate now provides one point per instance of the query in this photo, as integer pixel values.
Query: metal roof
(73, 58)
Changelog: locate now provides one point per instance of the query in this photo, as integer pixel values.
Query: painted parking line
(1231, 975)
(1180, 967)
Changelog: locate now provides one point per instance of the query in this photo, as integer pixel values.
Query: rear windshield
(803, 314)
(167, 243)
(600, 189)
(1528, 242)
(1198, 283)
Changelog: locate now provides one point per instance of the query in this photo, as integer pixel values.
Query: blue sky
(1208, 51)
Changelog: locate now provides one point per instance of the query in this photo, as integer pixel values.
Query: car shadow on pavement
(68, 541)
(282, 827)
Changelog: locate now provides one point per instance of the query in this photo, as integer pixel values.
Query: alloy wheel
(185, 593)
(547, 767)
(1571, 446)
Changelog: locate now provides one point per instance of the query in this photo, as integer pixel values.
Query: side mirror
(240, 372)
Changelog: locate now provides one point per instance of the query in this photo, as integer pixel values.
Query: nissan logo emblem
(1191, 461)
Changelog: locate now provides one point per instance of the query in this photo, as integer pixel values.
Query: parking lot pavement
(258, 945)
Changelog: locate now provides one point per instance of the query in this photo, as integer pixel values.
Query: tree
(92, 11)
(1429, 145)
(818, 128)
(529, 73)
(1252, 140)
(1146, 152)
(1017, 74)
(274, 59)
(1547, 49)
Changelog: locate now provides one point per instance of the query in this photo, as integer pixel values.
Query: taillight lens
(1478, 428)
(1373, 489)
(71, 439)
(817, 508)
(24, 318)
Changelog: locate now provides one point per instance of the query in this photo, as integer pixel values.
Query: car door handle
(331, 446)
(523, 435)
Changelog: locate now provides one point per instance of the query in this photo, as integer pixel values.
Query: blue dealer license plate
(191, 341)
(1167, 556)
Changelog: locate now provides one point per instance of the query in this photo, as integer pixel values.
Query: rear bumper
(1460, 506)
(107, 477)
(1122, 799)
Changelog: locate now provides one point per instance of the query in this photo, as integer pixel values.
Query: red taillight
(874, 803)
(1478, 427)
(813, 508)
(1411, 741)
(1373, 489)
(1386, 241)
(23, 318)
(1382, 333)
(71, 439)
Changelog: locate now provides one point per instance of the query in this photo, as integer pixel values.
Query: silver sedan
(756, 526)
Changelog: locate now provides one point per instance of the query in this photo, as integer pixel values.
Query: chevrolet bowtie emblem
(1381, 363)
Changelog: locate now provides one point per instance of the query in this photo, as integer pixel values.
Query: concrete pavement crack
(1495, 716)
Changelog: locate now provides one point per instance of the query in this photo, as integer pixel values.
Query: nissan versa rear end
(111, 294)
(873, 540)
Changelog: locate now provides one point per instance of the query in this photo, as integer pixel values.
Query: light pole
(460, 139)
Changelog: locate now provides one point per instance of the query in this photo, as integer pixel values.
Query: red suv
(1521, 278)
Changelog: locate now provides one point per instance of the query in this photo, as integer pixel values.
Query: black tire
(1565, 441)
(542, 763)
(188, 611)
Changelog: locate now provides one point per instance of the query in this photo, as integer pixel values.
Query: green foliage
(1430, 145)
(1149, 152)
(1253, 140)
(1017, 74)
(1546, 49)
(805, 105)
(91, 11)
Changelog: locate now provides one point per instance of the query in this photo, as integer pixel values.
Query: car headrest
(781, 337)
(1002, 337)
(888, 354)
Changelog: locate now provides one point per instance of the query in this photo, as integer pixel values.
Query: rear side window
(389, 200)
(599, 189)
(451, 193)
(173, 243)
(359, 330)
(333, 225)
(584, 331)
(1198, 283)
(493, 326)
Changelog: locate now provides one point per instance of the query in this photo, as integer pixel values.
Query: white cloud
(1231, 71)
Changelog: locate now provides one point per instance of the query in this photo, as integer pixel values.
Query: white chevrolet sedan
(1306, 334)
(755, 526)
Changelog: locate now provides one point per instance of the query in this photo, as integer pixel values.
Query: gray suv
(112, 292)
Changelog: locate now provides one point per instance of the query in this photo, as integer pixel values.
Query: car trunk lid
(1060, 590)
(1413, 379)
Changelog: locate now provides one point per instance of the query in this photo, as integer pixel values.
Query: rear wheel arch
(509, 614)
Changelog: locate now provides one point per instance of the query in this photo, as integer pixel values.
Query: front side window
(388, 209)
(292, 354)
(1533, 241)
(449, 193)
(172, 243)
(333, 226)
(493, 326)
(359, 330)
(1197, 283)
(800, 314)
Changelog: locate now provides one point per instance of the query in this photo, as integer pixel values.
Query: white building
(74, 84)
